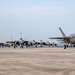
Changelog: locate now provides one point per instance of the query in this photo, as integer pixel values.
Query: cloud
(36, 10)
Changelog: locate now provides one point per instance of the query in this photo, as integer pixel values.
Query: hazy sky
(36, 19)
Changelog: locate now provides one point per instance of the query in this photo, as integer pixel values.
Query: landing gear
(21, 46)
(14, 47)
(74, 45)
(36, 46)
(64, 46)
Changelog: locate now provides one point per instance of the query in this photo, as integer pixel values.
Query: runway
(37, 61)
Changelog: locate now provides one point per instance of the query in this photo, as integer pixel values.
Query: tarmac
(37, 61)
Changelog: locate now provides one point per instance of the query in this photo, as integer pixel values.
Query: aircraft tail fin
(62, 32)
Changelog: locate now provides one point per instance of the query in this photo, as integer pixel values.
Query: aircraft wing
(60, 38)
(10, 41)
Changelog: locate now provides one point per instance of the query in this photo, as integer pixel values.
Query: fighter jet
(45, 43)
(17, 43)
(66, 39)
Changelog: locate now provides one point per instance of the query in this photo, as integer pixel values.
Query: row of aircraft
(68, 40)
(22, 43)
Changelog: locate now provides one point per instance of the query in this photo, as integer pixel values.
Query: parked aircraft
(17, 43)
(66, 39)
(48, 44)
(23, 43)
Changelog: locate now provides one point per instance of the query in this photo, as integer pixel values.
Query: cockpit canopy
(72, 35)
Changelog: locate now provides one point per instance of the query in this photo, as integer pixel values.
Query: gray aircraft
(66, 39)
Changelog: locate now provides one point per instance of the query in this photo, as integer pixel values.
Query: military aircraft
(46, 44)
(66, 39)
(17, 43)
(23, 43)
